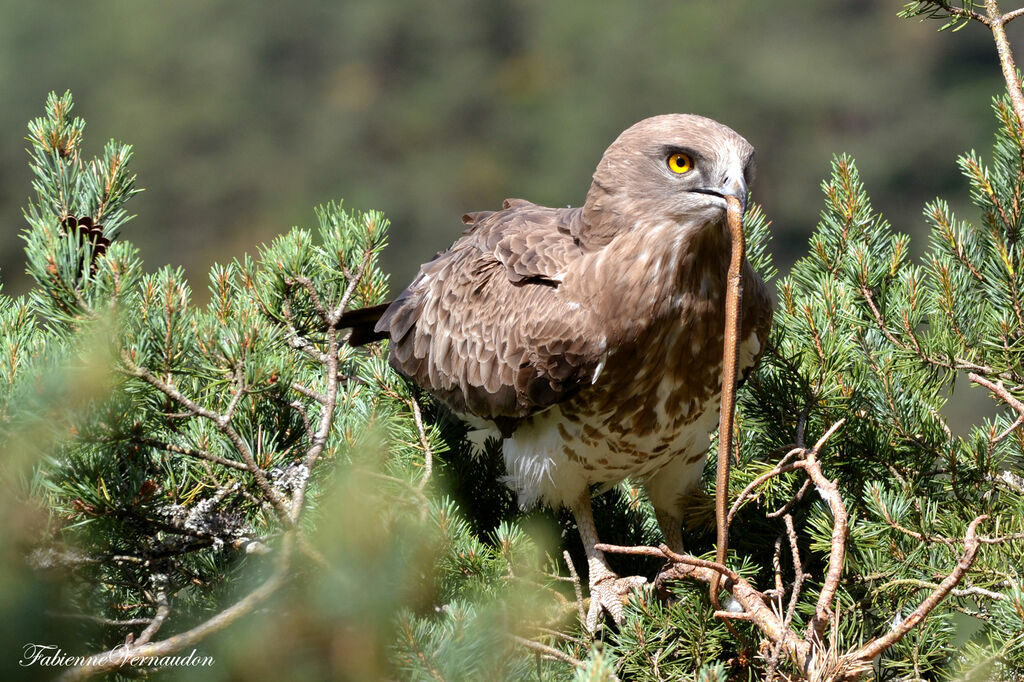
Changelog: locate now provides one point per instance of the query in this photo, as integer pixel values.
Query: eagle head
(674, 168)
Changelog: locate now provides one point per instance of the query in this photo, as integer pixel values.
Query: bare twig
(330, 362)
(752, 601)
(189, 452)
(793, 500)
(962, 12)
(794, 597)
(127, 623)
(806, 653)
(1000, 391)
(142, 649)
(951, 363)
(971, 544)
(760, 480)
(932, 538)
(308, 392)
(304, 415)
(163, 610)
(237, 396)
(428, 452)
(1011, 15)
(663, 552)
(970, 591)
(304, 345)
(319, 439)
(548, 651)
(350, 290)
(1010, 429)
(780, 588)
(307, 284)
(830, 493)
(577, 588)
(798, 569)
(828, 434)
(903, 529)
(1000, 539)
(997, 22)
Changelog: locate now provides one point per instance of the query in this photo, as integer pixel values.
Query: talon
(607, 595)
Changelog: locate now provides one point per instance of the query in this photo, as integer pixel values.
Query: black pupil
(681, 161)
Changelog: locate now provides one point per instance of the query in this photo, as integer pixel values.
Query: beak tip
(739, 190)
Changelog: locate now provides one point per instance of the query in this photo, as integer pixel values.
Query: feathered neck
(651, 273)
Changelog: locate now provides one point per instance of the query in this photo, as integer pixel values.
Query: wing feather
(485, 327)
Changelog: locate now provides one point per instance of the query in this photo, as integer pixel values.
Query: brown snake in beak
(733, 295)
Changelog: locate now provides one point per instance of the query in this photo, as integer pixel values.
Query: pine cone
(86, 230)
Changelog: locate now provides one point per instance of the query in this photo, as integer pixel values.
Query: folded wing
(486, 326)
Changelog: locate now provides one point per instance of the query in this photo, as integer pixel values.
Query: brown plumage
(591, 337)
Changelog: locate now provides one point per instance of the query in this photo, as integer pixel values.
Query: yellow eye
(680, 163)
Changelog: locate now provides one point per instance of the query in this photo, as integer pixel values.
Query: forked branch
(807, 651)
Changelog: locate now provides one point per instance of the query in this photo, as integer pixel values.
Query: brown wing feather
(533, 242)
(484, 325)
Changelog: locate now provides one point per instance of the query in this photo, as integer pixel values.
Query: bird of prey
(590, 339)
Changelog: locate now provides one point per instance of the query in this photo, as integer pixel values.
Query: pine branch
(221, 422)
(111, 660)
(997, 23)
(971, 544)
(807, 653)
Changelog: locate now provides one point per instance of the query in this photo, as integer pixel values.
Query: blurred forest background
(244, 116)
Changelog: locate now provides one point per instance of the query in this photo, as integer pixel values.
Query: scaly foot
(608, 594)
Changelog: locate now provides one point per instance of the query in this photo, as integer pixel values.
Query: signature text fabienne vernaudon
(51, 655)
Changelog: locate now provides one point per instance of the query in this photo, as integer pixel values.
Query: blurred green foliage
(247, 115)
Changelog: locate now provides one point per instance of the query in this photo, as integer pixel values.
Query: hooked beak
(731, 188)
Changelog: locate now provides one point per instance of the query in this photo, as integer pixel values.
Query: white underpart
(535, 461)
(539, 470)
(675, 475)
(749, 349)
(666, 486)
(480, 431)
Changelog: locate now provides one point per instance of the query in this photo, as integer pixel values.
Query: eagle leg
(676, 496)
(607, 590)
(672, 531)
